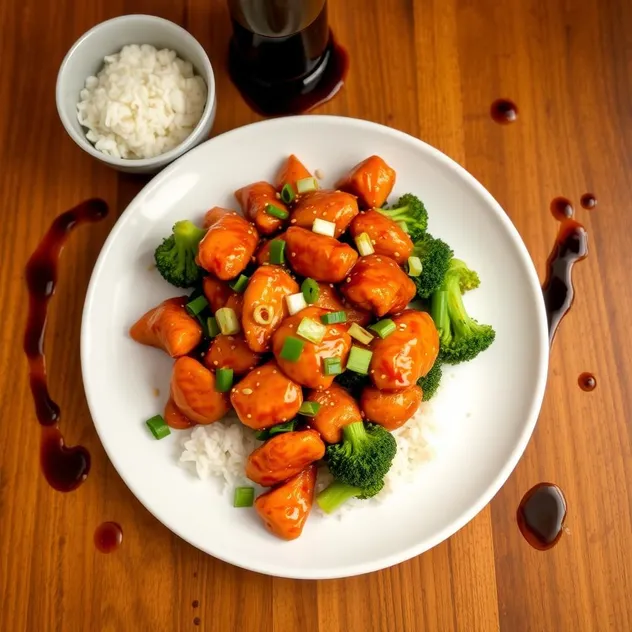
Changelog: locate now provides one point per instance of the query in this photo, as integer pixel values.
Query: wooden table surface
(430, 68)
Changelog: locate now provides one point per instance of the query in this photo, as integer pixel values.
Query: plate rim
(532, 415)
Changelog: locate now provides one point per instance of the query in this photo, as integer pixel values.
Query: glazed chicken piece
(213, 215)
(317, 256)
(400, 359)
(228, 245)
(371, 181)
(168, 327)
(386, 236)
(263, 252)
(329, 299)
(254, 199)
(332, 206)
(219, 294)
(265, 306)
(377, 283)
(284, 456)
(291, 172)
(285, 508)
(308, 369)
(193, 392)
(337, 409)
(231, 352)
(175, 418)
(266, 397)
(391, 410)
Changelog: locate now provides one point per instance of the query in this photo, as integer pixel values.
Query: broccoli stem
(355, 433)
(439, 311)
(456, 312)
(335, 495)
(186, 233)
(396, 213)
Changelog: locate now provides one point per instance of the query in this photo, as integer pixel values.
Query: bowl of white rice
(136, 92)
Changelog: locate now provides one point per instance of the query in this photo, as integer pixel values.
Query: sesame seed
(293, 254)
(331, 285)
(283, 418)
(372, 371)
(249, 416)
(314, 212)
(348, 279)
(232, 347)
(292, 221)
(332, 404)
(396, 254)
(373, 241)
(273, 371)
(233, 390)
(258, 373)
(257, 384)
(215, 362)
(247, 391)
(248, 332)
(383, 376)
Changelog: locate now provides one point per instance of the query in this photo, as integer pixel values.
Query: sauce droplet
(561, 209)
(588, 200)
(587, 382)
(504, 111)
(195, 603)
(65, 468)
(541, 515)
(571, 246)
(197, 621)
(108, 536)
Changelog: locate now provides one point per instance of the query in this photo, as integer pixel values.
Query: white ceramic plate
(486, 410)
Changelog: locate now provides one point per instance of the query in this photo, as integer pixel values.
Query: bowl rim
(531, 417)
(162, 159)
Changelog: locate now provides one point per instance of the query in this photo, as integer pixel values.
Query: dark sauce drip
(541, 515)
(588, 200)
(197, 621)
(571, 246)
(195, 603)
(587, 382)
(281, 71)
(65, 468)
(108, 537)
(504, 111)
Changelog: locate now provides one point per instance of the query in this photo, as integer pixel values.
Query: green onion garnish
(333, 318)
(288, 426)
(197, 305)
(292, 349)
(239, 284)
(306, 184)
(244, 497)
(359, 360)
(275, 211)
(309, 409)
(414, 266)
(287, 193)
(332, 366)
(261, 435)
(360, 334)
(227, 321)
(277, 252)
(384, 327)
(223, 380)
(310, 290)
(364, 244)
(311, 330)
(212, 328)
(158, 427)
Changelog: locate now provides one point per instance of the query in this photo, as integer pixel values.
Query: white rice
(221, 450)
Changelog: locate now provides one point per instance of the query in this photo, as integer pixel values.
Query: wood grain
(430, 68)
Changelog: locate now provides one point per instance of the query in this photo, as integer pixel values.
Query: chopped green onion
(310, 290)
(288, 426)
(359, 360)
(287, 193)
(261, 435)
(223, 380)
(311, 330)
(323, 227)
(295, 303)
(332, 366)
(360, 334)
(364, 244)
(211, 327)
(227, 321)
(309, 409)
(305, 185)
(239, 285)
(244, 497)
(158, 427)
(414, 266)
(263, 314)
(333, 318)
(292, 349)
(277, 212)
(197, 305)
(277, 252)
(403, 226)
(384, 327)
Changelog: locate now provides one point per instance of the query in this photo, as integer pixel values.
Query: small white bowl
(85, 58)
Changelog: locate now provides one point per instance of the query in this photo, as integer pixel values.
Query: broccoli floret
(429, 383)
(175, 256)
(352, 381)
(461, 338)
(468, 279)
(435, 256)
(410, 210)
(364, 456)
(337, 493)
